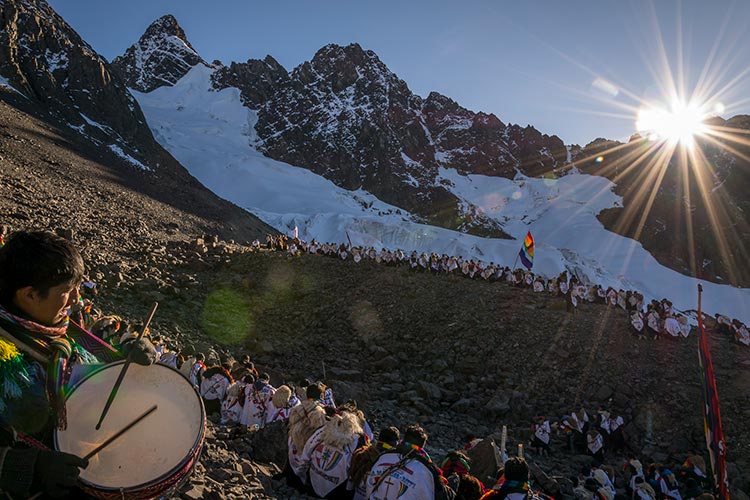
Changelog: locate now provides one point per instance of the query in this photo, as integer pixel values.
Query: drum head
(153, 449)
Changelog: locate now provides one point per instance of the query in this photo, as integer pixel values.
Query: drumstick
(119, 433)
(110, 439)
(124, 370)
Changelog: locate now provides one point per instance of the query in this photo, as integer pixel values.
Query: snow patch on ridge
(212, 134)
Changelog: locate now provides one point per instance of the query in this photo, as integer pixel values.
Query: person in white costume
(406, 473)
(328, 455)
(231, 409)
(259, 408)
(304, 420)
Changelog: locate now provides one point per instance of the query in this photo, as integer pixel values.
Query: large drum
(152, 458)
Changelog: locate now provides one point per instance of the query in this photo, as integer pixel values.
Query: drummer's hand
(141, 351)
(56, 472)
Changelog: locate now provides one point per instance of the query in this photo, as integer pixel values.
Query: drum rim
(193, 454)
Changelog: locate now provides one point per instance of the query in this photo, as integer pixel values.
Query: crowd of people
(332, 450)
(653, 320)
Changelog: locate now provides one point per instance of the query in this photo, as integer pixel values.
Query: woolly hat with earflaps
(341, 430)
(281, 396)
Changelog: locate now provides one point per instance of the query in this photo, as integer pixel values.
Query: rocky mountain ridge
(347, 117)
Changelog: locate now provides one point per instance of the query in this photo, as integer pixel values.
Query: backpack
(362, 461)
(442, 490)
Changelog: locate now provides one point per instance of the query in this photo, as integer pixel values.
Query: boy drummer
(39, 278)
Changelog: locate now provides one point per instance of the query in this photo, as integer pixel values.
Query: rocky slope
(696, 222)
(73, 137)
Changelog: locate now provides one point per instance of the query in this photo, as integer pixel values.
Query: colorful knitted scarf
(50, 342)
(508, 487)
(14, 377)
(45, 339)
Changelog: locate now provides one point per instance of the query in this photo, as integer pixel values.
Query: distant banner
(717, 449)
(527, 251)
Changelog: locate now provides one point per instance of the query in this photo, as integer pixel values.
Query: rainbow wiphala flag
(527, 251)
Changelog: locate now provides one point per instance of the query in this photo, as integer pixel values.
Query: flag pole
(712, 427)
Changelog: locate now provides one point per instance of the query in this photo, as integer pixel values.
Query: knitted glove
(55, 472)
(17, 471)
(142, 351)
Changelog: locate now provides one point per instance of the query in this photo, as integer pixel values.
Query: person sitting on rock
(695, 468)
(258, 408)
(540, 435)
(595, 446)
(743, 335)
(283, 401)
(231, 406)
(578, 423)
(722, 324)
(634, 469)
(653, 322)
(642, 490)
(685, 327)
(197, 369)
(327, 456)
(668, 485)
(615, 427)
(171, 357)
(365, 457)
(671, 327)
(636, 324)
(514, 482)
(304, 420)
(41, 358)
(407, 472)
(213, 388)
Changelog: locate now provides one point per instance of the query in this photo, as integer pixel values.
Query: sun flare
(677, 125)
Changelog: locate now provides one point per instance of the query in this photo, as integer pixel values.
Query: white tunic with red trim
(231, 411)
(259, 408)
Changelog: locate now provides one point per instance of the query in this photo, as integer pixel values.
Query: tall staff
(717, 449)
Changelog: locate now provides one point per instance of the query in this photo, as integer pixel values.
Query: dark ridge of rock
(696, 223)
(257, 80)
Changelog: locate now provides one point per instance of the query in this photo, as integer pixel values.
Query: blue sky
(528, 62)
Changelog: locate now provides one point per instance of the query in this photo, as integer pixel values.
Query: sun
(679, 124)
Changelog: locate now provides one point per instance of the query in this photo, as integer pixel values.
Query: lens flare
(678, 125)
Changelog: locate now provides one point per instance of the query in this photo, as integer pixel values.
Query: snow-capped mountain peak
(161, 56)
